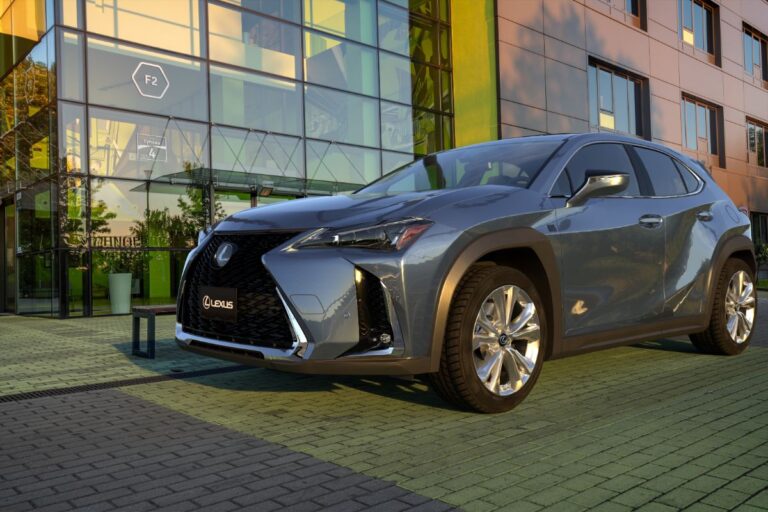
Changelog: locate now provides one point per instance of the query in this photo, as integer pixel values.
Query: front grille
(261, 318)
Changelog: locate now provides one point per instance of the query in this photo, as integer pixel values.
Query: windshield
(512, 163)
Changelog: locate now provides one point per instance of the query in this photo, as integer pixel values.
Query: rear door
(690, 239)
(611, 249)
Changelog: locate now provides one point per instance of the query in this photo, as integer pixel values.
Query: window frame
(637, 165)
(711, 37)
(715, 123)
(642, 103)
(756, 123)
(762, 40)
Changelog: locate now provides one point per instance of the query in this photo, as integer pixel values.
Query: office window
(759, 227)
(633, 7)
(697, 24)
(755, 59)
(757, 143)
(615, 100)
(699, 126)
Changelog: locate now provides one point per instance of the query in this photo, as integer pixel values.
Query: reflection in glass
(146, 147)
(32, 148)
(8, 163)
(396, 127)
(232, 201)
(621, 105)
(393, 29)
(7, 113)
(340, 64)
(72, 211)
(242, 157)
(69, 13)
(36, 283)
(396, 80)
(35, 218)
(71, 137)
(351, 19)
(426, 132)
(337, 116)
(252, 41)
(255, 101)
(75, 265)
(392, 161)
(690, 125)
(35, 84)
(335, 167)
(125, 76)
(423, 41)
(71, 71)
(605, 90)
(286, 9)
(154, 277)
(29, 25)
(150, 22)
(748, 59)
(426, 92)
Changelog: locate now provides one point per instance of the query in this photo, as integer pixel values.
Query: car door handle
(651, 221)
(704, 215)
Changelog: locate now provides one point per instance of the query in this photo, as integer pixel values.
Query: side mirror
(599, 184)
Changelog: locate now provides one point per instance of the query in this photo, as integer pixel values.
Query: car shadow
(669, 345)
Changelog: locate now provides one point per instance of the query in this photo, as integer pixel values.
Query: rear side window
(691, 183)
(607, 157)
(665, 179)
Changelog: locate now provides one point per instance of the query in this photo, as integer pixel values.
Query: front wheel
(733, 314)
(495, 340)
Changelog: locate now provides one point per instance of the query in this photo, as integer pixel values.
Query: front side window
(614, 100)
(611, 158)
(755, 60)
(757, 142)
(699, 126)
(512, 163)
(665, 178)
(697, 24)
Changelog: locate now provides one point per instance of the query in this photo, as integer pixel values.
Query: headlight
(388, 236)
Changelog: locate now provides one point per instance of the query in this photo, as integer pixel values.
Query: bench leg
(151, 337)
(135, 342)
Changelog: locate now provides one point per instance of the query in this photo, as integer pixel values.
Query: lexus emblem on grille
(224, 253)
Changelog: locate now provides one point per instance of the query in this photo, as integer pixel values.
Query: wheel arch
(523, 248)
(740, 247)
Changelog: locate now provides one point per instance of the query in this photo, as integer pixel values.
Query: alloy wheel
(506, 340)
(740, 307)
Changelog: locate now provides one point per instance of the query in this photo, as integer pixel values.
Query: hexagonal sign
(150, 80)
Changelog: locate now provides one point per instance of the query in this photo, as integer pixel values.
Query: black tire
(457, 381)
(716, 339)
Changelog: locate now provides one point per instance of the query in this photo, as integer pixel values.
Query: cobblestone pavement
(655, 426)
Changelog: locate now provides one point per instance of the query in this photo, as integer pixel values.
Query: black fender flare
(514, 238)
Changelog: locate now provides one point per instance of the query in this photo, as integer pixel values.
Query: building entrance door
(8, 256)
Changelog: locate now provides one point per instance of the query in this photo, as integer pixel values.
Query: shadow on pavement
(670, 345)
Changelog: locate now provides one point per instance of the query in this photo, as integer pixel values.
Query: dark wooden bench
(148, 312)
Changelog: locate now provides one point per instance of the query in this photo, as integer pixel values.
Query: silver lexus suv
(474, 265)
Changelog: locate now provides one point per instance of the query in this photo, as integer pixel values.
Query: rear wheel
(733, 312)
(495, 340)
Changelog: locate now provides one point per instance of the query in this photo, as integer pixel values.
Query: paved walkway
(652, 427)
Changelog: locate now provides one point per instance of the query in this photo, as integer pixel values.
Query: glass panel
(252, 41)
(125, 76)
(687, 18)
(446, 123)
(134, 213)
(426, 7)
(36, 283)
(69, 13)
(392, 161)
(426, 132)
(621, 106)
(445, 46)
(72, 211)
(713, 142)
(423, 39)
(32, 82)
(698, 26)
(635, 117)
(424, 80)
(35, 218)
(29, 25)
(665, 178)
(76, 267)
(72, 138)
(351, 19)
(592, 86)
(247, 158)
(760, 145)
(174, 27)
(231, 202)
(394, 29)
(341, 117)
(7, 107)
(6, 48)
(286, 9)
(748, 53)
(702, 122)
(71, 72)
(605, 90)
(150, 277)
(396, 84)
(751, 137)
(8, 164)
(445, 92)
(756, 51)
(32, 149)
(137, 146)
(9, 257)
(335, 167)
(340, 64)
(255, 101)
(396, 127)
(708, 31)
(690, 125)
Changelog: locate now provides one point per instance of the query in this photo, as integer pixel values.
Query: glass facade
(128, 125)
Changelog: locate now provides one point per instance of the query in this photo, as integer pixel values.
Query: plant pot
(120, 293)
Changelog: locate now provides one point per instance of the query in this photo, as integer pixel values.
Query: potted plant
(118, 265)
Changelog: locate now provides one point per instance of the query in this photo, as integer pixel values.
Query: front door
(8, 257)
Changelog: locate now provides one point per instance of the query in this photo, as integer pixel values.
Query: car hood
(353, 209)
